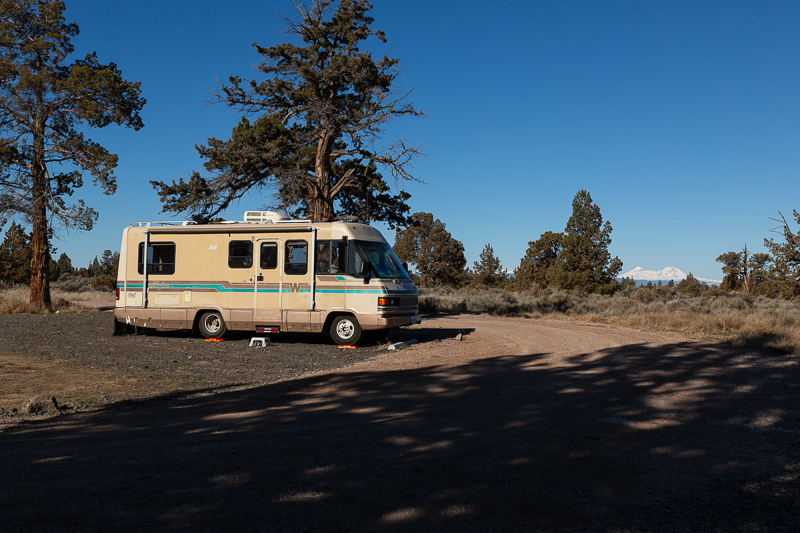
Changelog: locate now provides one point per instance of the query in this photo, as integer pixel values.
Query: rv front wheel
(212, 326)
(345, 330)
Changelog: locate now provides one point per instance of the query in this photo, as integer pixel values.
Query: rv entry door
(267, 278)
(296, 289)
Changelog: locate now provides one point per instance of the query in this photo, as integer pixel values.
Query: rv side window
(296, 257)
(240, 254)
(269, 255)
(160, 258)
(329, 257)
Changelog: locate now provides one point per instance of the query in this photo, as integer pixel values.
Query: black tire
(211, 325)
(345, 330)
(119, 328)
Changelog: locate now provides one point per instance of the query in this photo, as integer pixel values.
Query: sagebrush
(755, 322)
(16, 298)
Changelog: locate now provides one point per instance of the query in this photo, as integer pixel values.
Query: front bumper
(384, 322)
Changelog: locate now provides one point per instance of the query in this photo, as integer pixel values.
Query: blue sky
(681, 118)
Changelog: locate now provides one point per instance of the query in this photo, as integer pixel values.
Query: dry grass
(756, 323)
(15, 299)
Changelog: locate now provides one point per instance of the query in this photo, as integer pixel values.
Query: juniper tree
(44, 103)
(783, 268)
(745, 271)
(437, 256)
(311, 129)
(759, 265)
(584, 261)
(734, 270)
(539, 259)
(691, 286)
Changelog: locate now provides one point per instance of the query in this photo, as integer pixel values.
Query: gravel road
(523, 425)
(93, 368)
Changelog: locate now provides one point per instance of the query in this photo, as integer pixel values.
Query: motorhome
(265, 274)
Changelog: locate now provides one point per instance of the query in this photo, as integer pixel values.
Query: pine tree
(94, 268)
(584, 261)
(15, 256)
(317, 130)
(65, 265)
(437, 256)
(55, 273)
(488, 270)
(45, 103)
(109, 262)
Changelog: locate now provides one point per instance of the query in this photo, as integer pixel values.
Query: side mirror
(366, 271)
(405, 267)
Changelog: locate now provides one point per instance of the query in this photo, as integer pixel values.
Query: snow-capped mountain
(665, 274)
(669, 273)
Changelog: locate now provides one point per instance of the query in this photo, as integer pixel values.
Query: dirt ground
(524, 425)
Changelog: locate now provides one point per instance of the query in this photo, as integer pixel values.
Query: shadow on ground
(679, 437)
(369, 338)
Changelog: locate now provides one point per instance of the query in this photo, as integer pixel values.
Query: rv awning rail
(229, 228)
(164, 223)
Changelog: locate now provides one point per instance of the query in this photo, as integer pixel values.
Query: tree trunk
(40, 249)
(321, 203)
(40, 282)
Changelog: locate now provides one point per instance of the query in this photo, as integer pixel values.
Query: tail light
(117, 293)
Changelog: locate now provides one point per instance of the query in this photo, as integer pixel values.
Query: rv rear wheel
(211, 325)
(345, 330)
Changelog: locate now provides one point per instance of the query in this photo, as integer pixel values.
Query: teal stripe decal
(365, 291)
(220, 288)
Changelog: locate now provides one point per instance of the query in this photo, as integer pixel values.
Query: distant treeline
(775, 274)
(576, 259)
(15, 263)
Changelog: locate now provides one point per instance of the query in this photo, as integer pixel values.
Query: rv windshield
(385, 263)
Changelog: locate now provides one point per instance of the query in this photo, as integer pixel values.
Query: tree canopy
(773, 274)
(734, 270)
(784, 272)
(539, 259)
(437, 256)
(312, 129)
(15, 256)
(584, 261)
(487, 270)
(43, 104)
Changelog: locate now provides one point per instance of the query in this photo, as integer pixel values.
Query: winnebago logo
(295, 287)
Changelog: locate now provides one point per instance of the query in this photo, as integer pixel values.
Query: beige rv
(266, 274)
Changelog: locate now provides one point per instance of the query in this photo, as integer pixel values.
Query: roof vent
(264, 217)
